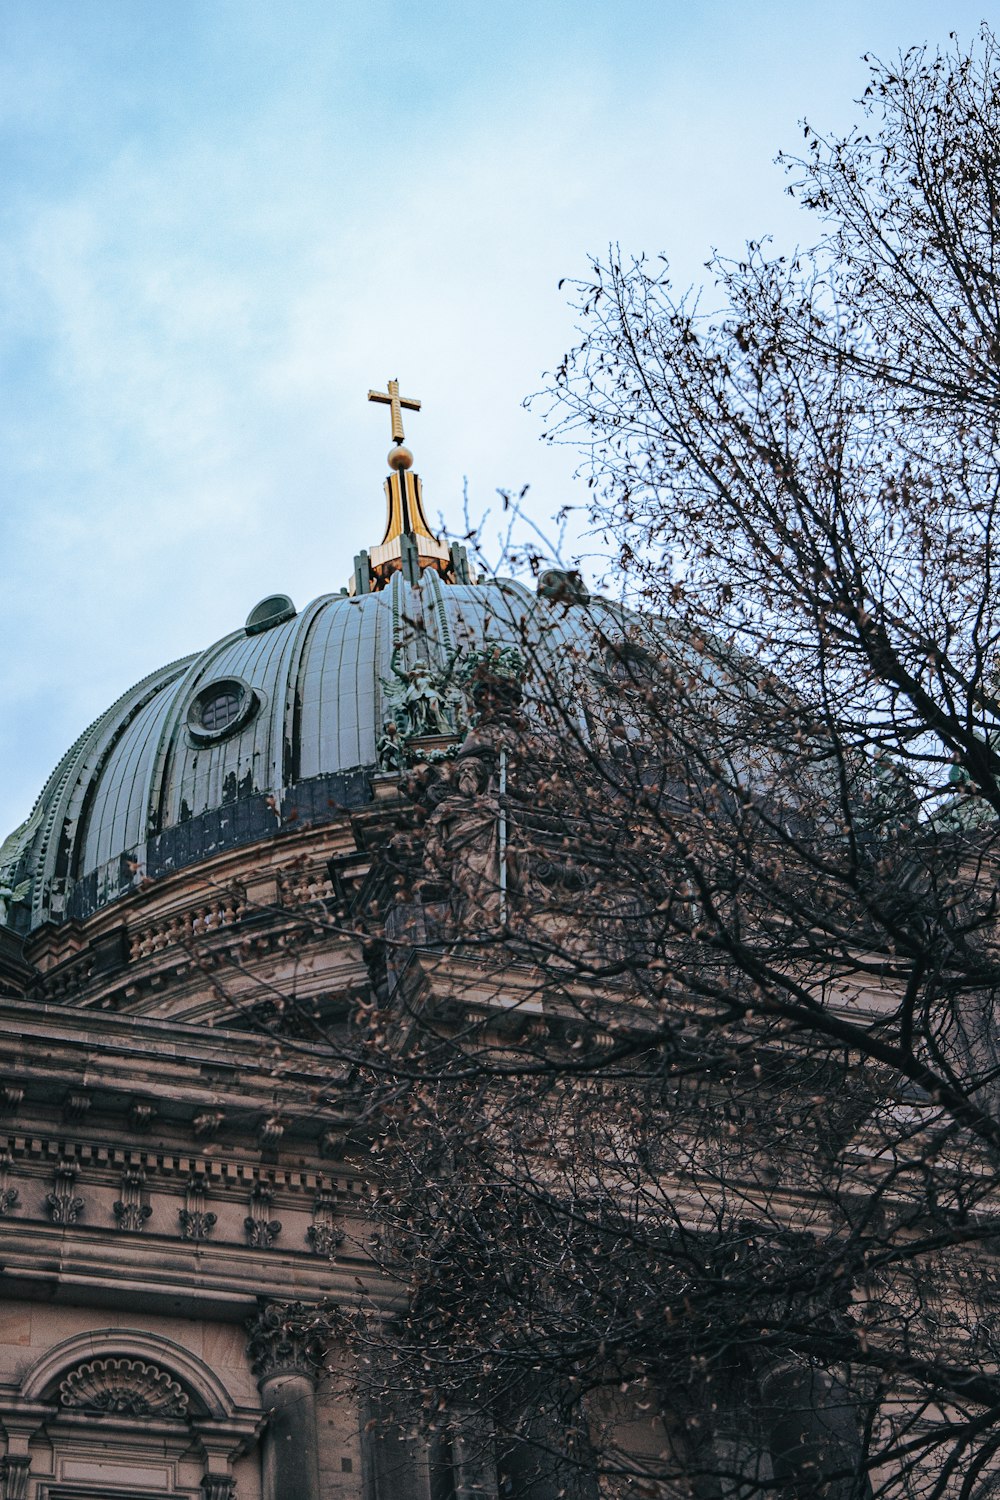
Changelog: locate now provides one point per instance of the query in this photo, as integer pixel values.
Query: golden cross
(395, 402)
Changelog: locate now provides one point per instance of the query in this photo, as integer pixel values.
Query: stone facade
(181, 1213)
(182, 1202)
(175, 1205)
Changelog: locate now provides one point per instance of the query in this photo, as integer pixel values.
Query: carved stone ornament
(206, 1125)
(125, 1387)
(324, 1237)
(8, 1195)
(218, 1487)
(63, 1205)
(130, 1210)
(14, 1476)
(196, 1222)
(261, 1231)
(141, 1115)
(270, 1133)
(286, 1338)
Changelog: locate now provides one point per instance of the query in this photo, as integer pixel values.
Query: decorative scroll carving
(286, 1338)
(126, 1387)
(63, 1205)
(270, 1133)
(14, 1475)
(141, 1115)
(196, 1223)
(11, 1098)
(8, 1195)
(130, 1210)
(75, 1106)
(261, 1231)
(219, 1487)
(562, 587)
(324, 1237)
(206, 1125)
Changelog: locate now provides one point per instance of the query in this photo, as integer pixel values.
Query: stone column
(286, 1349)
(813, 1431)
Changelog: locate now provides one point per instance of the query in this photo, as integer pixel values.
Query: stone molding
(324, 1239)
(286, 1338)
(225, 1172)
(125, 1387)
(141, 1115)
(196, 1225)
(76, 1105)
(138, 1346)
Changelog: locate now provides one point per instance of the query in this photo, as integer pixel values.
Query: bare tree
(680, 1072)
(685, 1066)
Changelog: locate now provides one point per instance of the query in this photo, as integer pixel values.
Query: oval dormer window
(220, 709)
(274, 610)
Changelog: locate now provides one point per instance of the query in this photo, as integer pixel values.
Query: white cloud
(193, 310)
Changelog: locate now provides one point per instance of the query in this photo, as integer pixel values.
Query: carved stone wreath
(126, 1387)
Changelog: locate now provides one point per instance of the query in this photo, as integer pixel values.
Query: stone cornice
(161, 1059)
(291, 857)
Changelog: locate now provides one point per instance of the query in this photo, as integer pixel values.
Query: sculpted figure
(389, 752)
(420, 700)
(460, 835)
(10, 895)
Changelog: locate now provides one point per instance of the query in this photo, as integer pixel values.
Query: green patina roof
(138, 792)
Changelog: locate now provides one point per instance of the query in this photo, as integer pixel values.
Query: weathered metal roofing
(142, 792)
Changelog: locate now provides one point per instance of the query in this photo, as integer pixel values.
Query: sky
(222, 221)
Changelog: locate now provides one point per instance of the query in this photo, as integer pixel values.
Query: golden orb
(400, 458)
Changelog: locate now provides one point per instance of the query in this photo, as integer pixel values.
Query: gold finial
(399, 457)
(409, 545)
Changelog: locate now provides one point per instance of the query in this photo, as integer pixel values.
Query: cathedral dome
(273, 727)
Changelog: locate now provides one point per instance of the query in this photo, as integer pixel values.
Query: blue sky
(221, 221)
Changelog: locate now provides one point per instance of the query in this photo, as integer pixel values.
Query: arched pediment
(104, 1370)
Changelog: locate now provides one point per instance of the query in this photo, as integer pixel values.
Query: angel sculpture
(10, 895)
(420, 699)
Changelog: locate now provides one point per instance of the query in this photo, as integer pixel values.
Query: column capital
(287, 1338)
(218, 1487)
